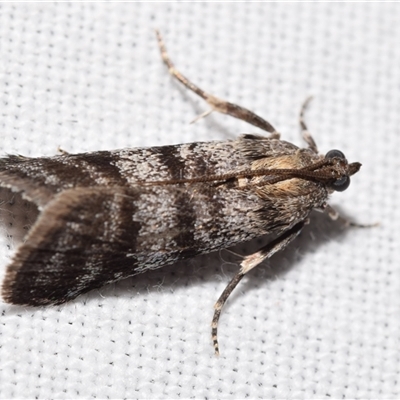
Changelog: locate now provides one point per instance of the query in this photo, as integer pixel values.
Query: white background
(321, 319)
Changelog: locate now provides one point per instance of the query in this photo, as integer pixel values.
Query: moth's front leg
(334, 215)
(248, 264)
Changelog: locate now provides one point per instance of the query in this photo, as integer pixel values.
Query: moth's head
(341, 170)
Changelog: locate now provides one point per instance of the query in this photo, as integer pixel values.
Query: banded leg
(247, 264)
(216, 104)
(304, 131)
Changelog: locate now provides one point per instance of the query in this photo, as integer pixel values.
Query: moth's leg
(304, 130)
(335, 216)
(62, 151)
(247, 264)
(216, 104)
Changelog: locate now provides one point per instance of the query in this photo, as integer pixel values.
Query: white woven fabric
(322, 318)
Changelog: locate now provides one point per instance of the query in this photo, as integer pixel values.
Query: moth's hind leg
(304, 130)
(216, 104)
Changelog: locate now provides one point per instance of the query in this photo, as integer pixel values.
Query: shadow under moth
(108, 215)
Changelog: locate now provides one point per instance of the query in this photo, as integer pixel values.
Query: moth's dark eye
(342, 183)
(334, 153)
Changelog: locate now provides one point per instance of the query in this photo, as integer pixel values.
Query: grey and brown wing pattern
(61, 256)
(87, 237)
(105, 216)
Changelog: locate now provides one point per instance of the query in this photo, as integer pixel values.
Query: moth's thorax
(287, 187)
(301, 158)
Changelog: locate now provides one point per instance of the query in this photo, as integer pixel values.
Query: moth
(108, 215)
